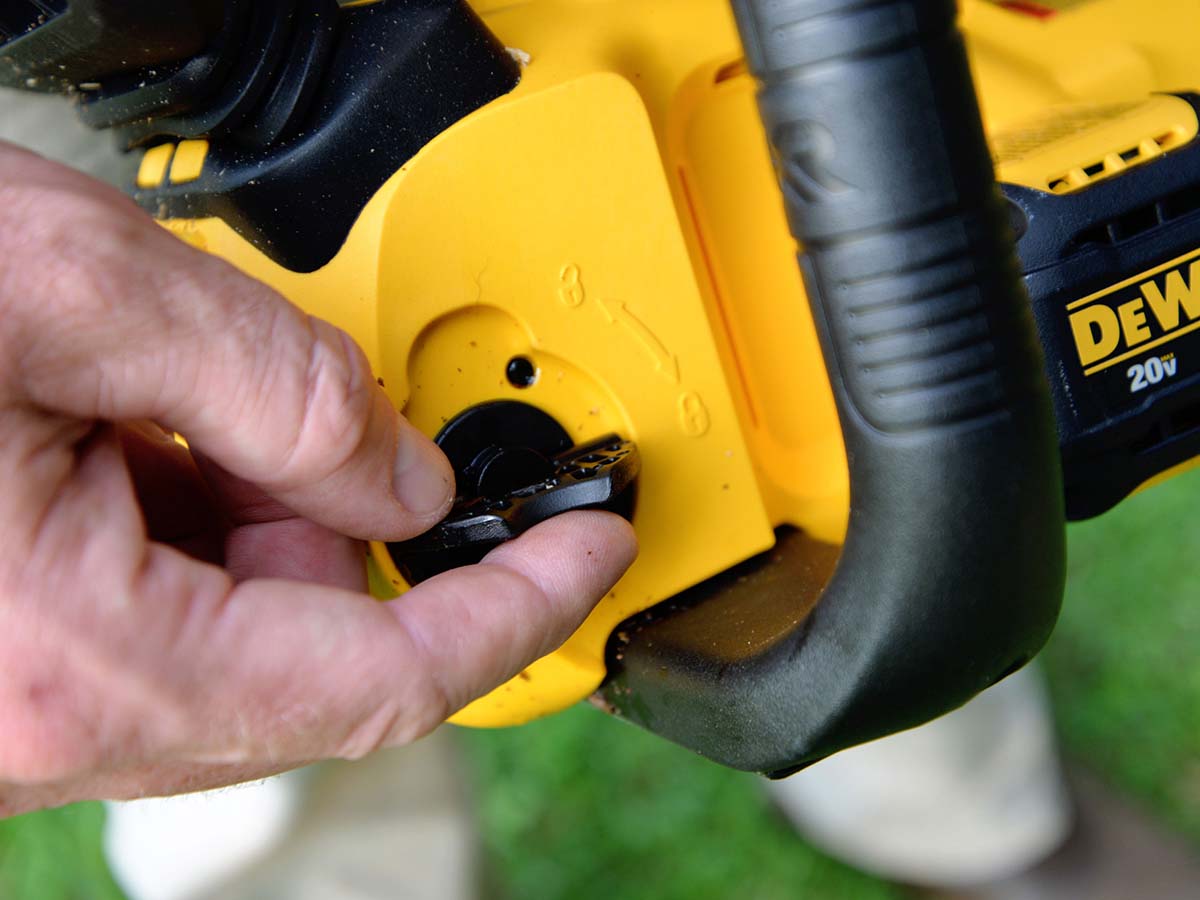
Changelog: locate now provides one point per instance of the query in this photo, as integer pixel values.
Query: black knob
(498, 471)
(515, 467)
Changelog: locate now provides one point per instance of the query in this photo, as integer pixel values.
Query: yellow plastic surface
(741, 243)
(1089, 51)
(1064, 150)
(587, 275)
(153, 167)
(189, 161)
(615, 218)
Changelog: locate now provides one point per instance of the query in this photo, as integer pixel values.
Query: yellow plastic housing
(615, 218)
(1064, 150)
(153, 167)
(189, 161)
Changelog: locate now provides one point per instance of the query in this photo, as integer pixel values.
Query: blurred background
(581, 806)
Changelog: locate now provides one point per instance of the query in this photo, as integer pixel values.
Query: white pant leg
(175, 848)
(974, 796)
(395, 826)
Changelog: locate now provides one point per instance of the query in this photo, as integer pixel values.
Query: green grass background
(580, 806)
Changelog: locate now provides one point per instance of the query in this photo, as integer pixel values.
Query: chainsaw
(566, 234)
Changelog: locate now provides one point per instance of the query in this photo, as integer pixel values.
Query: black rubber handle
(952, 572)
(55, 46)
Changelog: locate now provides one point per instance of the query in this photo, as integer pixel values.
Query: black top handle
(952, 571)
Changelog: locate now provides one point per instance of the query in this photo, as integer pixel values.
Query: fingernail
(423, 480)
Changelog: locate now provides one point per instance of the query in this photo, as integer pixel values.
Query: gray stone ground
(397, 825)
(47, 124)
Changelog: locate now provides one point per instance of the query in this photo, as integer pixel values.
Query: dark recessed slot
(1181, 202)
(1123, 228)
(1133, 223)
(1094, 168)
(1184, 420)
(1151, 439)
(1097, 234)
(730, 71)
(1131, 154)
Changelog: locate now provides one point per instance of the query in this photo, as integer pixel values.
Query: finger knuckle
(399, 724)
(333, 410)
(416, 706)
(71, 235)
(381, 729)
(87, 276)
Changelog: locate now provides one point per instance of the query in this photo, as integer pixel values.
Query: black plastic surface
(1114, 437)
(952, 571)
(601, 474)
(308, 107)
(398, 74)
(502, 425)
(56, 45)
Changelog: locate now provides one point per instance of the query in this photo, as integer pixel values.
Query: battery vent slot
(1181, 423)
(1116, 162)
(1140, 220)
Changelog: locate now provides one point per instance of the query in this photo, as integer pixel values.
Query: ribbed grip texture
(888, 184)
(952, 569)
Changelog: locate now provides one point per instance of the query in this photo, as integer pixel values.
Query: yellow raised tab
(189, 161)
(1065, 149)
(153, 168)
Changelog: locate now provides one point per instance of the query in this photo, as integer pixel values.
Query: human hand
(172, 620)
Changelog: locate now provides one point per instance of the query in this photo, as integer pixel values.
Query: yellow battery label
(1136, 315)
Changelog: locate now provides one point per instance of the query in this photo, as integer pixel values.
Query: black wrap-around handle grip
(952, 571)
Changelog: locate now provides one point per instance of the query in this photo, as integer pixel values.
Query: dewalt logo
(1136, 315)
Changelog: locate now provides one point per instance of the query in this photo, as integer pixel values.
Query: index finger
(109, 316)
